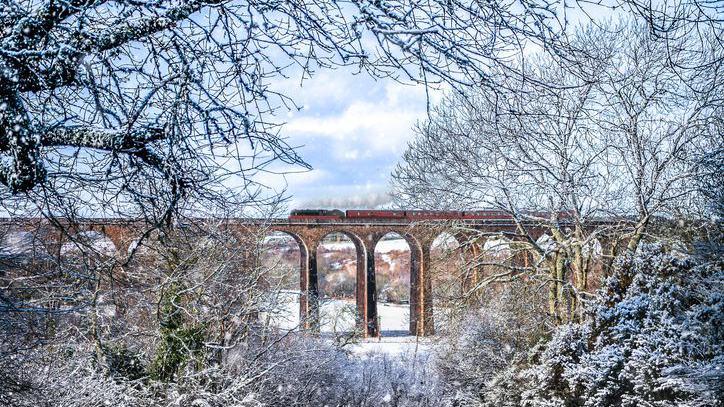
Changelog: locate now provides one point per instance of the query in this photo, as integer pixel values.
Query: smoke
(371, 200)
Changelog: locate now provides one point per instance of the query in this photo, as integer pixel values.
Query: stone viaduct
(364, 233)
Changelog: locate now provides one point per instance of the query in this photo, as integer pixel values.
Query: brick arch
(121, 234)
(450, 232)
(18, 241)
(461, 277)
(297, 237)
(457, 237)
(366, 236)
(307, 263)
(421, 318)
(361, 292)
(472, 246)
(359, 243)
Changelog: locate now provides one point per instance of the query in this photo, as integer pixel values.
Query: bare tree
(158, 109)
(685, 27)
(189, 299)
(117, 107)
(668, 19)
(614, 138)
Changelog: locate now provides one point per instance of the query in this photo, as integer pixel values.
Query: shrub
(653, 338)
(481, 343)
(181, 342)
(124, 363)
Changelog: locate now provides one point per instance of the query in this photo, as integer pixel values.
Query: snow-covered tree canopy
(150, 101)
(654, 339)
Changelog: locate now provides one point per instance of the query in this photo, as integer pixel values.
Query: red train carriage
(374, 214)
(433, 215)
(562, 215)
(490, 214)
(416, 215)
(494, 214)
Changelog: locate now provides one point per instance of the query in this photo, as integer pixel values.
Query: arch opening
(282, 255)
(21, 244)
(451, 279)
(496, 250)
(339, 256)
(393, 286)
(143, 247)
(494, 254)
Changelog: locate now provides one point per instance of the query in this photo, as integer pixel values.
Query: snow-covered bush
(325, 375)
(487, 340)
(653, 338)
(294, 370)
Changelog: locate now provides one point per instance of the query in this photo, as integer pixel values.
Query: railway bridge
(418, 230)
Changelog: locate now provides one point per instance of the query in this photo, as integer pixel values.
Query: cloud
(329, 91)
(382, 123)
(352, 130)
(306, 177)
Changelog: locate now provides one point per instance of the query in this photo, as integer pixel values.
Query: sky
(352, 129)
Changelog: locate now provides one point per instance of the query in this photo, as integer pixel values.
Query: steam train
(336, 214)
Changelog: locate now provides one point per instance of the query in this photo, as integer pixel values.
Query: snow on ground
(284, 310)
(338, 316)
(394, 317)
(16, 243)
(384, 246)
(407, 345)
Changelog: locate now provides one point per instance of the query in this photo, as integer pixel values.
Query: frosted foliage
(485, 346)
(296, 372)
(654, 339)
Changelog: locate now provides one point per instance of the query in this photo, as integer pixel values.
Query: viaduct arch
(308, 234)
(365, 235)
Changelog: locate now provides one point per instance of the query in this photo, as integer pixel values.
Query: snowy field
(338, 317)
(408, 346)
(384, 246)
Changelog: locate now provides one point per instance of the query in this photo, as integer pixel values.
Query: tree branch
(103, 139)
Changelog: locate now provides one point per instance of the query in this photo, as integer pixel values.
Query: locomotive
(412, 215)
(309, 214)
